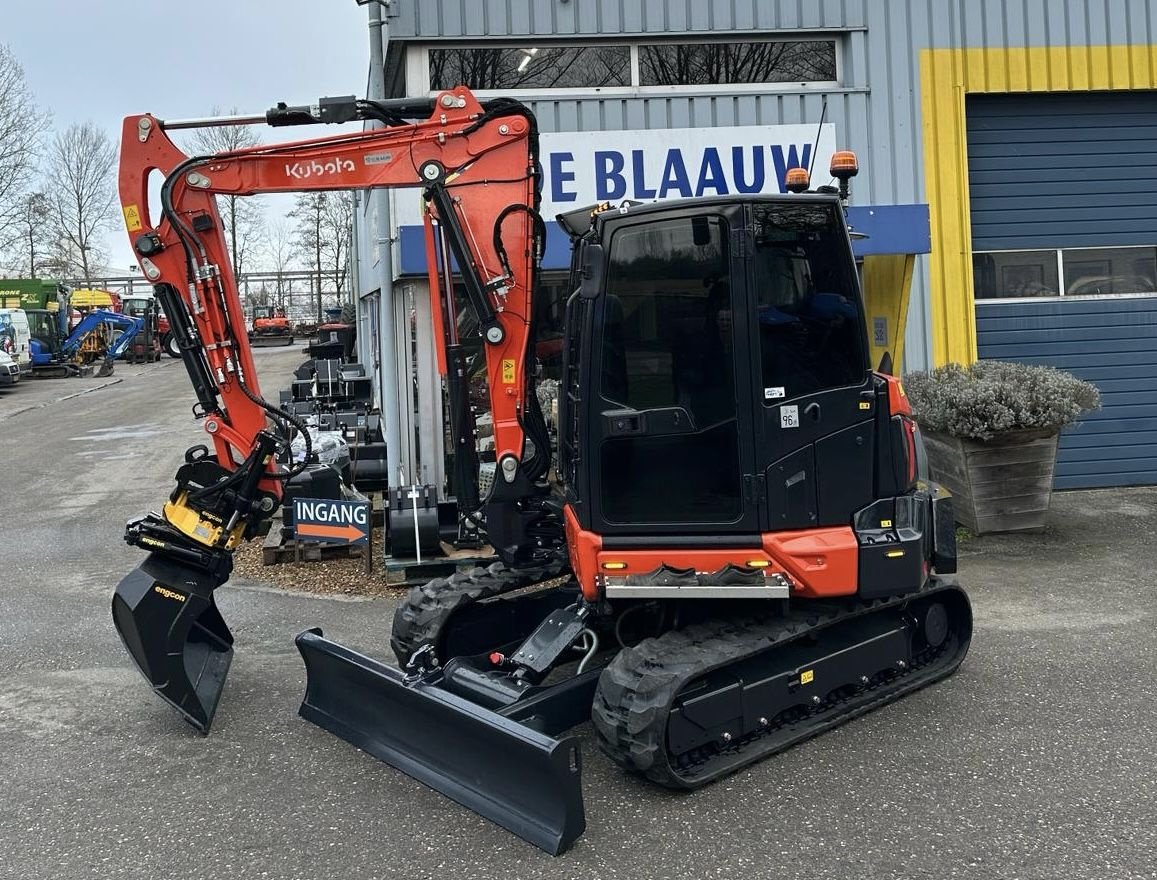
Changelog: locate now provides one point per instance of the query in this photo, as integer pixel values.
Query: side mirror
(594, 261)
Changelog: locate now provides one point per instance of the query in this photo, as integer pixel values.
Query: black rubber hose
(190, 243)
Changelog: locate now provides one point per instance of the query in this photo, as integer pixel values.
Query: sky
(105, 59)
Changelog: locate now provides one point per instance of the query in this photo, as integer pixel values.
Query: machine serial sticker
(378, 158)
(132, 218)
(879, 331)
(169, 594)
(508, 371)
(773, 393)
(807, 676)
(789, 416)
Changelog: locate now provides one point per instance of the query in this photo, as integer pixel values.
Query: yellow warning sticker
(508, 371)
(864, 404)
(885, 524)
(807, 676)
(132, 218)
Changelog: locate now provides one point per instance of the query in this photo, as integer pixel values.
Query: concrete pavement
(1035, 761)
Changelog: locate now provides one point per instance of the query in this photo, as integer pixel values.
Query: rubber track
(423, 615)
(640, 685)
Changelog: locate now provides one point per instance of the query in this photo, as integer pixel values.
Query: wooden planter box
(1002, 485)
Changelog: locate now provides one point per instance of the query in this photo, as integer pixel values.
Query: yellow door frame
(946, 77)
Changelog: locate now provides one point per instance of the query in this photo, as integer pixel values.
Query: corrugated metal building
(1018, 134)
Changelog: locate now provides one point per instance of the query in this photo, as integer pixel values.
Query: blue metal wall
(1111, 342)
(1057, 171)
(876, 109)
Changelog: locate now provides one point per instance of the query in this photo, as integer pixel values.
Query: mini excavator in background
(737, 547)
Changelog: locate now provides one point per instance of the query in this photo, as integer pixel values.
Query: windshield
(807, 301)
(41, 325)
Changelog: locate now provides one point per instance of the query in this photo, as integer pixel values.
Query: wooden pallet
(276, 550)
(409, 572)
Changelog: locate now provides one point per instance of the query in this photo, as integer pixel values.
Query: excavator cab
(724, 346)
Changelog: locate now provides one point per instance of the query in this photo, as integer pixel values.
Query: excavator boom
(477, 166)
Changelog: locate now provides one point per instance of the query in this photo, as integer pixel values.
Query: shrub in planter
(991, 433)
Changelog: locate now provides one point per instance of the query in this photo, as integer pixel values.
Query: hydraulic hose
(193, 248)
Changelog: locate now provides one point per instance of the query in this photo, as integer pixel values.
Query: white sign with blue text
(585, 167)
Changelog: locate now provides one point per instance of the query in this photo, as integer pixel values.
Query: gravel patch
(329, 577)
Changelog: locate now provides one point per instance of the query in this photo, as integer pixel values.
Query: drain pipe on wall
(383, 234)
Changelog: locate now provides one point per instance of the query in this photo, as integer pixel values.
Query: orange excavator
(270, 326)
(737, 546)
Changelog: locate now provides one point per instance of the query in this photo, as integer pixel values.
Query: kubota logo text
(306, 170)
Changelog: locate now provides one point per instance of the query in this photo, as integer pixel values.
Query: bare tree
(323, 229)
(32, 232)
(309, 212)
(279, 248)
(242, 215)
(22, 125)
(81, 163)
(337, 231)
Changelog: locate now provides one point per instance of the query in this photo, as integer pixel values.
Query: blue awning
(890, 229)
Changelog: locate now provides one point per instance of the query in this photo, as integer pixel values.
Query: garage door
(1064, 235)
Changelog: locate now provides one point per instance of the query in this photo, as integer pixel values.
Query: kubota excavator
(270, 326)
(736, 549)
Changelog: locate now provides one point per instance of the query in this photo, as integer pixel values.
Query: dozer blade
(169, 623)
(270, 341)
(524, 780)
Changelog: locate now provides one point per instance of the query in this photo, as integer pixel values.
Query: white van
(15, 339)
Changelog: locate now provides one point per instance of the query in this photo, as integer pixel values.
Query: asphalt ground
(1038, 759)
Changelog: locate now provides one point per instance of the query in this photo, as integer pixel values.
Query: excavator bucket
(524, 780)
(169, 623)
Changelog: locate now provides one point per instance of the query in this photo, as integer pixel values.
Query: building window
(539, 67)
(693, 64)
(663, 67)
(1098, 271)
(1015, 274)
(1068, 272)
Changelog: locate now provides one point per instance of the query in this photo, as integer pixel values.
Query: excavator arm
(478, 169)
(128, 326)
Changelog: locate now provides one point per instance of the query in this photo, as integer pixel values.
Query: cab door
(815, 400)
(671, 434)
